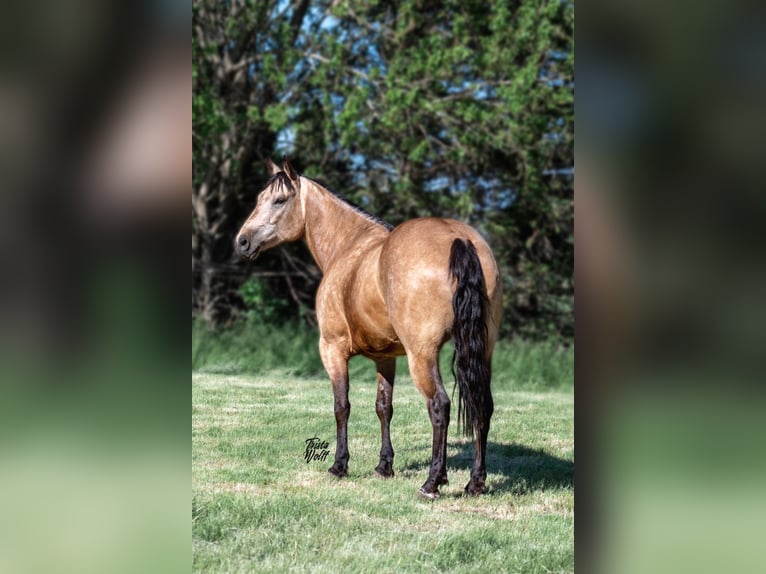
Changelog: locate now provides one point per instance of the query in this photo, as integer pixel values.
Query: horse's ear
(273, 168)
(288, 169)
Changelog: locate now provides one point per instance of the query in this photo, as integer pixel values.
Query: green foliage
(447, 108)
(253, 347)
(262, 306)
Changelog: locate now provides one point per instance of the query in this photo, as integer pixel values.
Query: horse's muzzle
(245, 248)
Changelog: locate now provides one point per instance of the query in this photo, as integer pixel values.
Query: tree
(458, 109)
(243, 54)
(465, 109)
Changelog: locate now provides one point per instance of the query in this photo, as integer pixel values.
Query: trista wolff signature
(316, 449)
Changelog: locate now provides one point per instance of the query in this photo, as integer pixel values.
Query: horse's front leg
(336, 364)
(385, 410)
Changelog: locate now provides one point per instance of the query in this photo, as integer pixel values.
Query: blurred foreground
(95, 116)
(670, 313)
(670, 307)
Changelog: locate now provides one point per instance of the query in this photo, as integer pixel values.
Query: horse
(387, 292)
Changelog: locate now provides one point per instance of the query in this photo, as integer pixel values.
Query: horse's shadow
(522, 469)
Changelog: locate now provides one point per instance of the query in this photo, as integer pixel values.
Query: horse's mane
(360, 210)
(282, 179)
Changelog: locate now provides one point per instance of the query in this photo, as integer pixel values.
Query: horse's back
(427, 242)
(416, 282)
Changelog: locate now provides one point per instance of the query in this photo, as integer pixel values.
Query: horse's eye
(280, 200)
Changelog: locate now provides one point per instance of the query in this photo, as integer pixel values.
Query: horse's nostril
(243, 241)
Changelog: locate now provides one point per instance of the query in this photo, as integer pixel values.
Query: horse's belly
(378, 350)
(372, 335)
(366, 314)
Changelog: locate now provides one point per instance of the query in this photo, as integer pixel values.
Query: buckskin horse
(387, 292)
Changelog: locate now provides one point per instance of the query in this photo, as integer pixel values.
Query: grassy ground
(253, 348)
(258, 506)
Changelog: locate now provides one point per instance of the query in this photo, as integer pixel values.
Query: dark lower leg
(385, 410)
(479, 471)
(439, 411)
(342, 412)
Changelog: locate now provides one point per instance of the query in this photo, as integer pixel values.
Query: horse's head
(277, 217)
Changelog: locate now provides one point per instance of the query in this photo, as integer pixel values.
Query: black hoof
(384, 470)
(337, 471)
(475, 489)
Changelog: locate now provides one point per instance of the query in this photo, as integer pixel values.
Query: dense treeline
(460, 109)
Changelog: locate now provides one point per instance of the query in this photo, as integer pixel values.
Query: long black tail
(470, 364)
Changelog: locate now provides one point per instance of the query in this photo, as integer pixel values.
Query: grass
(250, 347)
(258, 506)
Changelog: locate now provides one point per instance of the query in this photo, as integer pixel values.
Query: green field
(258, 506)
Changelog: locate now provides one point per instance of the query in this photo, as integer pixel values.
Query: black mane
(360, 210)
(283, 180)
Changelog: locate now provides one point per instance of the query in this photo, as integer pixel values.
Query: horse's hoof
(337, 472)
(428, 495)
(472, 489)
(384, 471)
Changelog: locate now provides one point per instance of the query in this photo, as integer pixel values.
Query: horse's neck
(333, 228)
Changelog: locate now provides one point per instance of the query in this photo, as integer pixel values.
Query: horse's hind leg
(336, 365)
(479, 471)
(425, 374)
(385, 410)
(477, 484)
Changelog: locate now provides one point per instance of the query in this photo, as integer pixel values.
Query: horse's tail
(471, 364)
